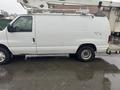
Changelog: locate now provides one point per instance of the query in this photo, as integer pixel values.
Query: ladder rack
(40, 6)
(63, 11)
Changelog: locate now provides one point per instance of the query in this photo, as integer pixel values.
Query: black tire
(7, 56)
(81, 54)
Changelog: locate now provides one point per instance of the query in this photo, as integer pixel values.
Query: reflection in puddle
(5, 79)
(114, 80)
(3, 72)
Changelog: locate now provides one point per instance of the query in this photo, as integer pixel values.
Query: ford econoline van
(82, 36)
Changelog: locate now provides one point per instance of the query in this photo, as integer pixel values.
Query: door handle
(33, 39)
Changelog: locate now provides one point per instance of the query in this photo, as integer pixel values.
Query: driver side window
(23, 24)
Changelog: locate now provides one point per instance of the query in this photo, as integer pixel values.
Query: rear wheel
(4, 56)
(86, 54)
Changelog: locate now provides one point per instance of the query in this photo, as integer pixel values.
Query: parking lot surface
(61, 73)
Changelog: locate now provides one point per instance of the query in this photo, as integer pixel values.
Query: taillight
(109, 39)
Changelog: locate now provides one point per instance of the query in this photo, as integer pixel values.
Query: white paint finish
(3, 38)
(64, 34)
(22, 42)
(59, 34)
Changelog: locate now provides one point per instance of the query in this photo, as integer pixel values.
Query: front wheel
(86, 54)
(4, 56)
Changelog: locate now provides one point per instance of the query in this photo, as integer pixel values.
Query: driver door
(22, 39)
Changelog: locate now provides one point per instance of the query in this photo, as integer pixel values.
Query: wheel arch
(5, 47)
(87, 44)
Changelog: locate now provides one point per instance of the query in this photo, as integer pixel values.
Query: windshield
(4, 23)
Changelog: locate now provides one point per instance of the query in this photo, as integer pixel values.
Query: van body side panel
(64, 34)
(100, 31)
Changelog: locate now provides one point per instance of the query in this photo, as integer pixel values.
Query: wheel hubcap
(2, 56)
(86, 54)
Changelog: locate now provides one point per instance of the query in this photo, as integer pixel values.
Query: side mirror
(10, 28)
(0, 28)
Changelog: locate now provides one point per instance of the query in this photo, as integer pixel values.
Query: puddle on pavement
(59, 73)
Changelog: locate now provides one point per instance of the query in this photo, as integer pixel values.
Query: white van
(78, 35)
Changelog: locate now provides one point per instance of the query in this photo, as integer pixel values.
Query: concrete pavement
(61, 73)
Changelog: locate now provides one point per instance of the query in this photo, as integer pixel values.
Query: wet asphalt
(61, 73)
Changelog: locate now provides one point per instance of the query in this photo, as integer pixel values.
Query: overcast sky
(11, 6)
